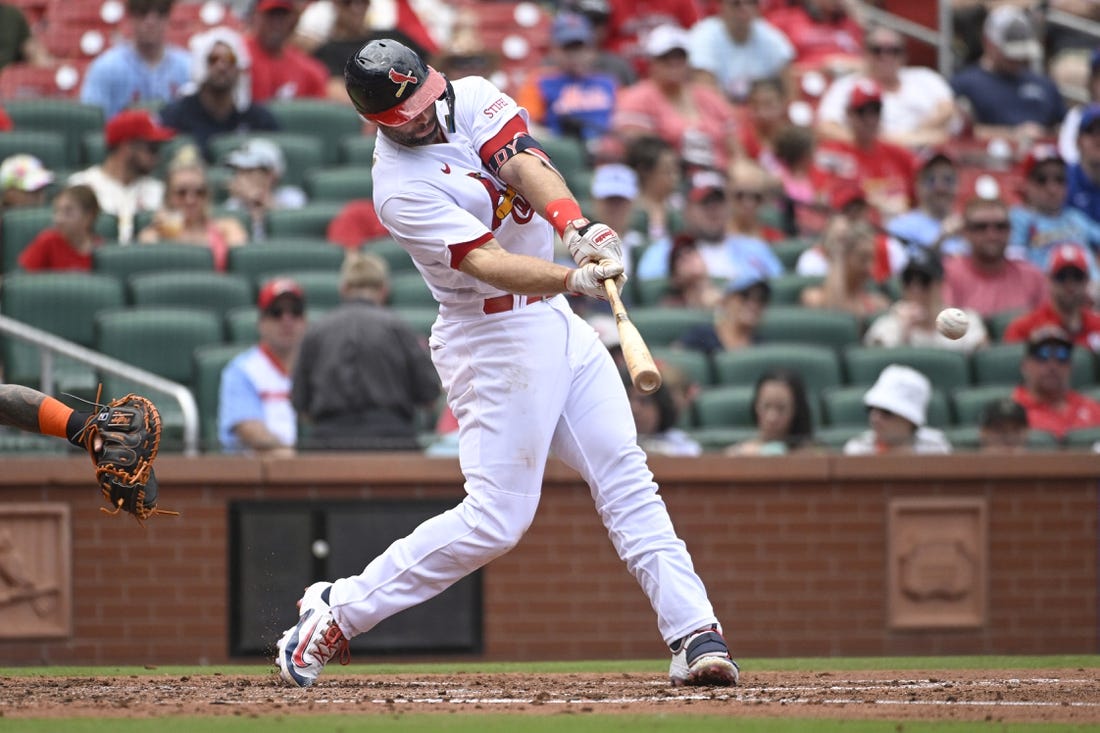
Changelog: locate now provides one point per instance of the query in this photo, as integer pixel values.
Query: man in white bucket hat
(897, 409)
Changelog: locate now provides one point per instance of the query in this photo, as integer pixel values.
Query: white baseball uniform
(521, 382)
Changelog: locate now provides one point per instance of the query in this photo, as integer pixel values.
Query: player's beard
(414, 139)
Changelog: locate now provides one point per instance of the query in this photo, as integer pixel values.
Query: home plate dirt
(1054, 695)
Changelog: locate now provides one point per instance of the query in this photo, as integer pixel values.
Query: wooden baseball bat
(639, 362)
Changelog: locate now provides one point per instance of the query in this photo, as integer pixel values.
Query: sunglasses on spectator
(1070, 275)
(1045, 352)
(295, 309)
(754, 196)
(229, 58)
(885, 50)
(916, 278)
(197, 192)
(872, 109)
(1000, 225)
(884, 413)
(944, 179)
(1042, 179)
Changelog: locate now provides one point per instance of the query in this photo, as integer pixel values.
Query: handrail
(940, 39)
(51, 344)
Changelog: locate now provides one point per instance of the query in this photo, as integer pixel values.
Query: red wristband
(563, 212)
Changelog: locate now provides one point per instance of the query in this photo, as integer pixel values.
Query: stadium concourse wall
(800, 555)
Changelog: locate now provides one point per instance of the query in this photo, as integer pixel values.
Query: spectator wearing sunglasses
(884, 170)
(736, 318)
(1068, 307)
(911, 320)
(750, 189)
(897, 410)
(736, 47)
(934, 222)
(222, 102)
(143, 69)
(255, 414)
(986, 280)
(186, 216)
(918, 107)
(1045, 393)
(1043, 221)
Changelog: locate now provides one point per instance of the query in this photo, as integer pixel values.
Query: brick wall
(793, 552)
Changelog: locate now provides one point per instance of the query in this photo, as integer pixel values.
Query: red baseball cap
(264, 5)
(135, 124)
(845, 194)
(277, 288)
(1068, 255)
(863, 93)
(1039, 154)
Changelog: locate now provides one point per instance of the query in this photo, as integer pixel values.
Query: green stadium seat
(392, 252)
(240, 325)
(339, 185)
(302, 153)
(648, 292)
(67, 117)
(216, 291)
(261, 260)
(717, 439)
(792, 323)
(357, 150)
(834, 437)
(661, 326)
(65, 304)
(725, 406)
(568, 157)
(328, 121)
(844, 406)
(311, 220)
(998, 322)
(695, 365)
(789, 250)
(787, 289)
(970, 401)
(321, 288)
(419, 318)
(18, 227)
(818, 366)
(125, 261)
(49, 147)
(948, 370)
(409, 289)
(1000, 364)
(963, 437)
(208, 365)
(1082, 438)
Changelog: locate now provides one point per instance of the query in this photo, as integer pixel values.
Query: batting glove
(593, 242)
(588, 278)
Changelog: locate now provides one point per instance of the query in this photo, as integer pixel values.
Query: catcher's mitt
(128, 432)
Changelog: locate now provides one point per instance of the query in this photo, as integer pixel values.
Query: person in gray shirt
(362, 373)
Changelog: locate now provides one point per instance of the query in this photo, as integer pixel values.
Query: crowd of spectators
(716, 135)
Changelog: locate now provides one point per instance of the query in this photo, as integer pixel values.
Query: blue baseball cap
(1088, 116)
(571, 28)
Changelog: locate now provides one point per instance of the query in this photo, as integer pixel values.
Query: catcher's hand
(123, 438)
(593, 242)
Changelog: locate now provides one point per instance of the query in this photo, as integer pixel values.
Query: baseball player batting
(474, 199)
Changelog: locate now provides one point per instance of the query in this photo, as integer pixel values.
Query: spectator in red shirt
(280, 70)
(631, 21)
(1068, 306)
(356, 223)
(986, 280)
(884, 170)
(68, 244)
(1045, 393)
(825, 37)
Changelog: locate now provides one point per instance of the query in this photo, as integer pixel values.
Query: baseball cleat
(702, 658)
(306, 647)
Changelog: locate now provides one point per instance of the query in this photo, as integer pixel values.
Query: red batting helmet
(390, 84)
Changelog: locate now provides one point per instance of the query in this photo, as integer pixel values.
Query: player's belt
(502, 303)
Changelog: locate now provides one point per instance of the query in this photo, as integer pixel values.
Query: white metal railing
(50, 344)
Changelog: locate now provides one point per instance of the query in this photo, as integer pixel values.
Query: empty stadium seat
(661, 326)
(419, 318)
(209, 361)
(215, 291)
(787, 289)
(1082, 438)
(65, 304)
(695, 365)
(357, 150)
(833, 437)
(302, 153)
(123, 262)
(725, 406)
(948, 370)
(392, 252)
(328, 121)
(648, 292)
(60, 80)
(259, 261)
(818, 366)
(791, 323)
(717, 439)
(844, 406)
(69, 118)
(240, 325)
(970, 401)
(568, 157)
(789, 250)
(409, 289)
(311, 220)
(321, 288)
(339, 185)
(49, 147)
(998, 322)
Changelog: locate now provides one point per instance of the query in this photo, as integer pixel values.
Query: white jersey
(440, 201)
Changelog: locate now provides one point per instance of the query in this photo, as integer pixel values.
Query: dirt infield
(1055, 695)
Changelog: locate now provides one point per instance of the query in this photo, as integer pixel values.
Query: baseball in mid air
(952, 323)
